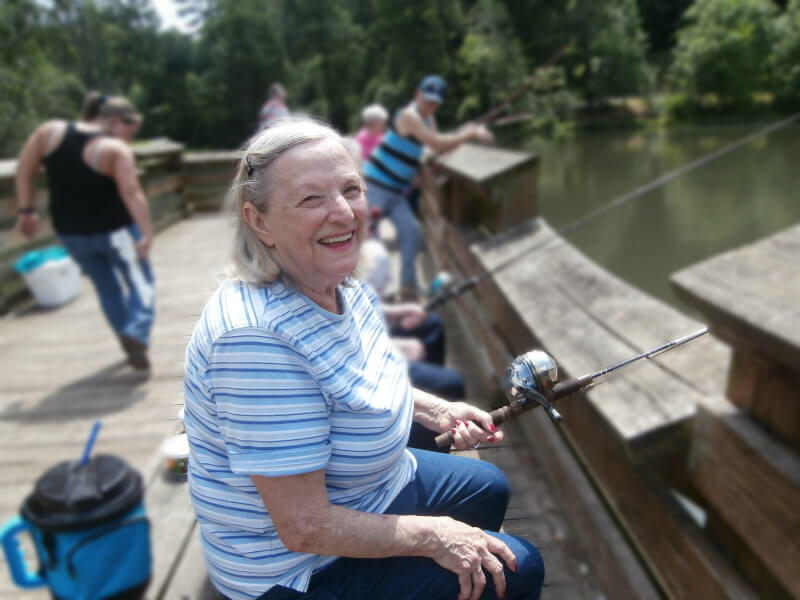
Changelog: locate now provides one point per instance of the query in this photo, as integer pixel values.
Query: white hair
(373, 113)
(252, 261)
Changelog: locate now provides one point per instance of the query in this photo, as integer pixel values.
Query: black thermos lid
(71, 496)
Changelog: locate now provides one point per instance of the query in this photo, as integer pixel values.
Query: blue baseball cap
(433, 88)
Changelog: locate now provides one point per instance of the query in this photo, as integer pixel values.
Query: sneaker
(136, 351)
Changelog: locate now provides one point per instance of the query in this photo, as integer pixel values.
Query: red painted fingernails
(491, 438)
(466, 423)
(458, 423)
(492, 427)
(454, 431)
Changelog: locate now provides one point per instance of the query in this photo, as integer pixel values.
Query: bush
(725, 50)
(785, 61)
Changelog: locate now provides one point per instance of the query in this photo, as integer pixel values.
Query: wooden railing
(657, 435)
(176, 183)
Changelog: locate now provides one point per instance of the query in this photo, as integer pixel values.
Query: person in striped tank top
(392, 168)
(298, 409)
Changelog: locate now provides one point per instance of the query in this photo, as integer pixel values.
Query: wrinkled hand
(470, 553)
(28, 224)
(410, 315)
(468, 425)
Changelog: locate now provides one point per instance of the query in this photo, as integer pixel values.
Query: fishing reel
(530, 378)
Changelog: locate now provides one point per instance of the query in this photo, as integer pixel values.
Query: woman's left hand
(468, 425)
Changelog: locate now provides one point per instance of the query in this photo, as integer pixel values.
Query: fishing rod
(532, 380)
(494, 112)
(444, 287)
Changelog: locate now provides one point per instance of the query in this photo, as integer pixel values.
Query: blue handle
(15, 557)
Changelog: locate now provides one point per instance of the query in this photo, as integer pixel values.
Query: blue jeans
(431, 375)
(123, 282)
(394, 205)
(465, 489)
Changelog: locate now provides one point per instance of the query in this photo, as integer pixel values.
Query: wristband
(26, 211)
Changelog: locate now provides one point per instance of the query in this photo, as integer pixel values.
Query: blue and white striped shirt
(275, 385)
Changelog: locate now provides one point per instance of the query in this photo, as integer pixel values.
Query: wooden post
(488, 187)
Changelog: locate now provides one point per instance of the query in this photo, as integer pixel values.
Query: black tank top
(82, 201)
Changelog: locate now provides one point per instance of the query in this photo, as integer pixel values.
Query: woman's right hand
(469, 551)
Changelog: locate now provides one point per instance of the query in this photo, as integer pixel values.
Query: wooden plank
(214, 156)
(156, 148)
(536, 300)
(552, 502)
(156, 186)
(63, 368)
(643, 406)
(481, 164)
(680, 556)
(171, 525)
(751, 499)
(749, 294)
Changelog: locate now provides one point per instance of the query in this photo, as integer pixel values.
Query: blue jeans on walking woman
(123, 282)
(465, 489)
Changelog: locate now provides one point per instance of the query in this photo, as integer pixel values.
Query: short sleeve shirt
(275, 385)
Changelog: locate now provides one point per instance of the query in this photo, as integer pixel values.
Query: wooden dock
(62, 369)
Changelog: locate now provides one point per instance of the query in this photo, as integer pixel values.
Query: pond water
(740, 197)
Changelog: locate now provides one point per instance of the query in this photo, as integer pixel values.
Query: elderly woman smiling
(298, 411)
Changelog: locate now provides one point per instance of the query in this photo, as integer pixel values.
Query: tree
(610, 54)
(724, 50)
(239, 52)
(32, 88)
(785, 59)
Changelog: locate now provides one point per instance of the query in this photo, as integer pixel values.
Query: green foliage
(785, 59)
(661, 19)
(609, 56)
(723, 53)
(335, 56)
(30, 85)
(615, 49)
(489, 62)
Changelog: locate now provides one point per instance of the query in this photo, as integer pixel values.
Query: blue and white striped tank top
(276, 385)
(395, 162)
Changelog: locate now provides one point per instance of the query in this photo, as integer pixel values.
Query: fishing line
(458, 289)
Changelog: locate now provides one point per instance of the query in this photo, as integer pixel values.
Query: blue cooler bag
(90, 530)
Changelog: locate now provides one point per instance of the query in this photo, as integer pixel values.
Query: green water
(738, 198)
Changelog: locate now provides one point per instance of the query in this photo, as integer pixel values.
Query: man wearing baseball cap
(392, 167)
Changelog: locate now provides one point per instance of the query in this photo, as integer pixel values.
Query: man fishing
(393, 165)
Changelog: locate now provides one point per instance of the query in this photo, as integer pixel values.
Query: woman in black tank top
(98, 210)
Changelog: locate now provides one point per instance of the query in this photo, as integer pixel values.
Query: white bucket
(175, 450)
(55, 282)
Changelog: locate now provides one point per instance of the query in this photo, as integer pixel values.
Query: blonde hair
(252, 261)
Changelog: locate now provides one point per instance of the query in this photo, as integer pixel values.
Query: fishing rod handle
(565, 388)
(435, 302)
(506, 413)
(499, 416)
